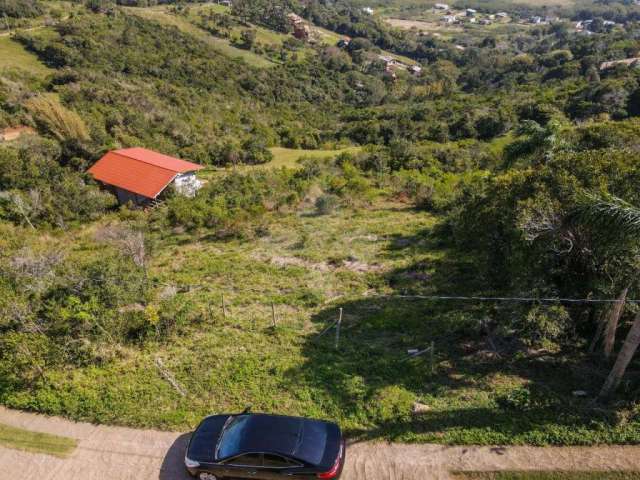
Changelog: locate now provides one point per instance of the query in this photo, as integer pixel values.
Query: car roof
(297, 438)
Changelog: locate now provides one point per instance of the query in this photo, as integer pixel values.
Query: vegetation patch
(547, 475)
(36, 442)
(14, 56)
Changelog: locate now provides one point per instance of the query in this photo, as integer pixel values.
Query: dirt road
(117, 453)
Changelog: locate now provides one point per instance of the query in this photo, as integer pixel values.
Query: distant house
(449, 19)
(629, 62)
(301, 30)
(535, 20)
(502, 14)
(441, 6)
(13, 133)
(470, 12)
(368, 10)
(581, 25)
(140, 176)
(226, 3)
(294, 18)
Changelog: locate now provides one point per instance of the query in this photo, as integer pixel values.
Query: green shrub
(546, 325)
(391, 404)
(327, 203)
(518, 399)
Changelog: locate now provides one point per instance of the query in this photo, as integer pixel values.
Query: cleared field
(422, 26)
(282, 157)
(14, 55)
(287, 157)
(548, 476)
(36, 442)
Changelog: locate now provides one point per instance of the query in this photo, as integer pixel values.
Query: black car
(266, 447)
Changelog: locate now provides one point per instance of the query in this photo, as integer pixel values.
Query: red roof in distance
(139, 170)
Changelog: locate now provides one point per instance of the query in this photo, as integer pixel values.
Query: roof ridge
(117, 152)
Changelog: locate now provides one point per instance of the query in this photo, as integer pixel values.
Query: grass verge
(547, 476)
(36, 442)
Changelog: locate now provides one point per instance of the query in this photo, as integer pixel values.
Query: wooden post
(210, 312)
(273, 315)
(224, 308)
(432, 356)
(338, 327)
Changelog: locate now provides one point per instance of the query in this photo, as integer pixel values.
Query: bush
(327, 203)
(546, 325)
(391, 404)
(518, 399)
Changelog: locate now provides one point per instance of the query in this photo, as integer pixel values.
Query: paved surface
(116, 453)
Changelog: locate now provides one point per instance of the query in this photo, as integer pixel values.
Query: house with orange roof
(140, 176)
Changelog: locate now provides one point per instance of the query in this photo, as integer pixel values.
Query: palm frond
(608, 216)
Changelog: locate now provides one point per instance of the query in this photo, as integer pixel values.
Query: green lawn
(14, 56)
(36, 442)
(288, 157)
(548, 476)
(282, 157)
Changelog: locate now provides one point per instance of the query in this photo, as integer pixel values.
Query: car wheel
(207, 476)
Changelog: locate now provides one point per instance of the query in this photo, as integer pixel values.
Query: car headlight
(190, 463)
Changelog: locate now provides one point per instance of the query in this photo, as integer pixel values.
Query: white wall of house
(187, 184)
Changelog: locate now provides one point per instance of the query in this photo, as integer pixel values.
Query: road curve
(118, 453)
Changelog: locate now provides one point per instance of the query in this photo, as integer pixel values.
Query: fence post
(224, 308)
(273, 315)
(432, 356)
(338, 327)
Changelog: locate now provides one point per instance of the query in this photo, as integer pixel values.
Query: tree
(248, 38)
(536, 141)
(615, 219)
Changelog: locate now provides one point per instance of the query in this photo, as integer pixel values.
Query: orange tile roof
(139, 170)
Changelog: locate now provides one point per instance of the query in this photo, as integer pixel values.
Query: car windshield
(232, 436)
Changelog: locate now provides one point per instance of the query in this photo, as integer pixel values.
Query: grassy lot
(288, 157)
(309, 266)
(282, 157)
(14, 56)
(36, 442)
(548, 476)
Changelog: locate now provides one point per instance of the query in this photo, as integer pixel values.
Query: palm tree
(535, 141)
(613, 220)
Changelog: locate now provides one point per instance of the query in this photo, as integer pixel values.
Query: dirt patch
(299, 262)
(350, 264)
(421, 26)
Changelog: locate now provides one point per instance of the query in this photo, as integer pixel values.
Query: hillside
(471, 197)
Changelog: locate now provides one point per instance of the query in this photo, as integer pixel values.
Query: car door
(276, 467)
(248, 465)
